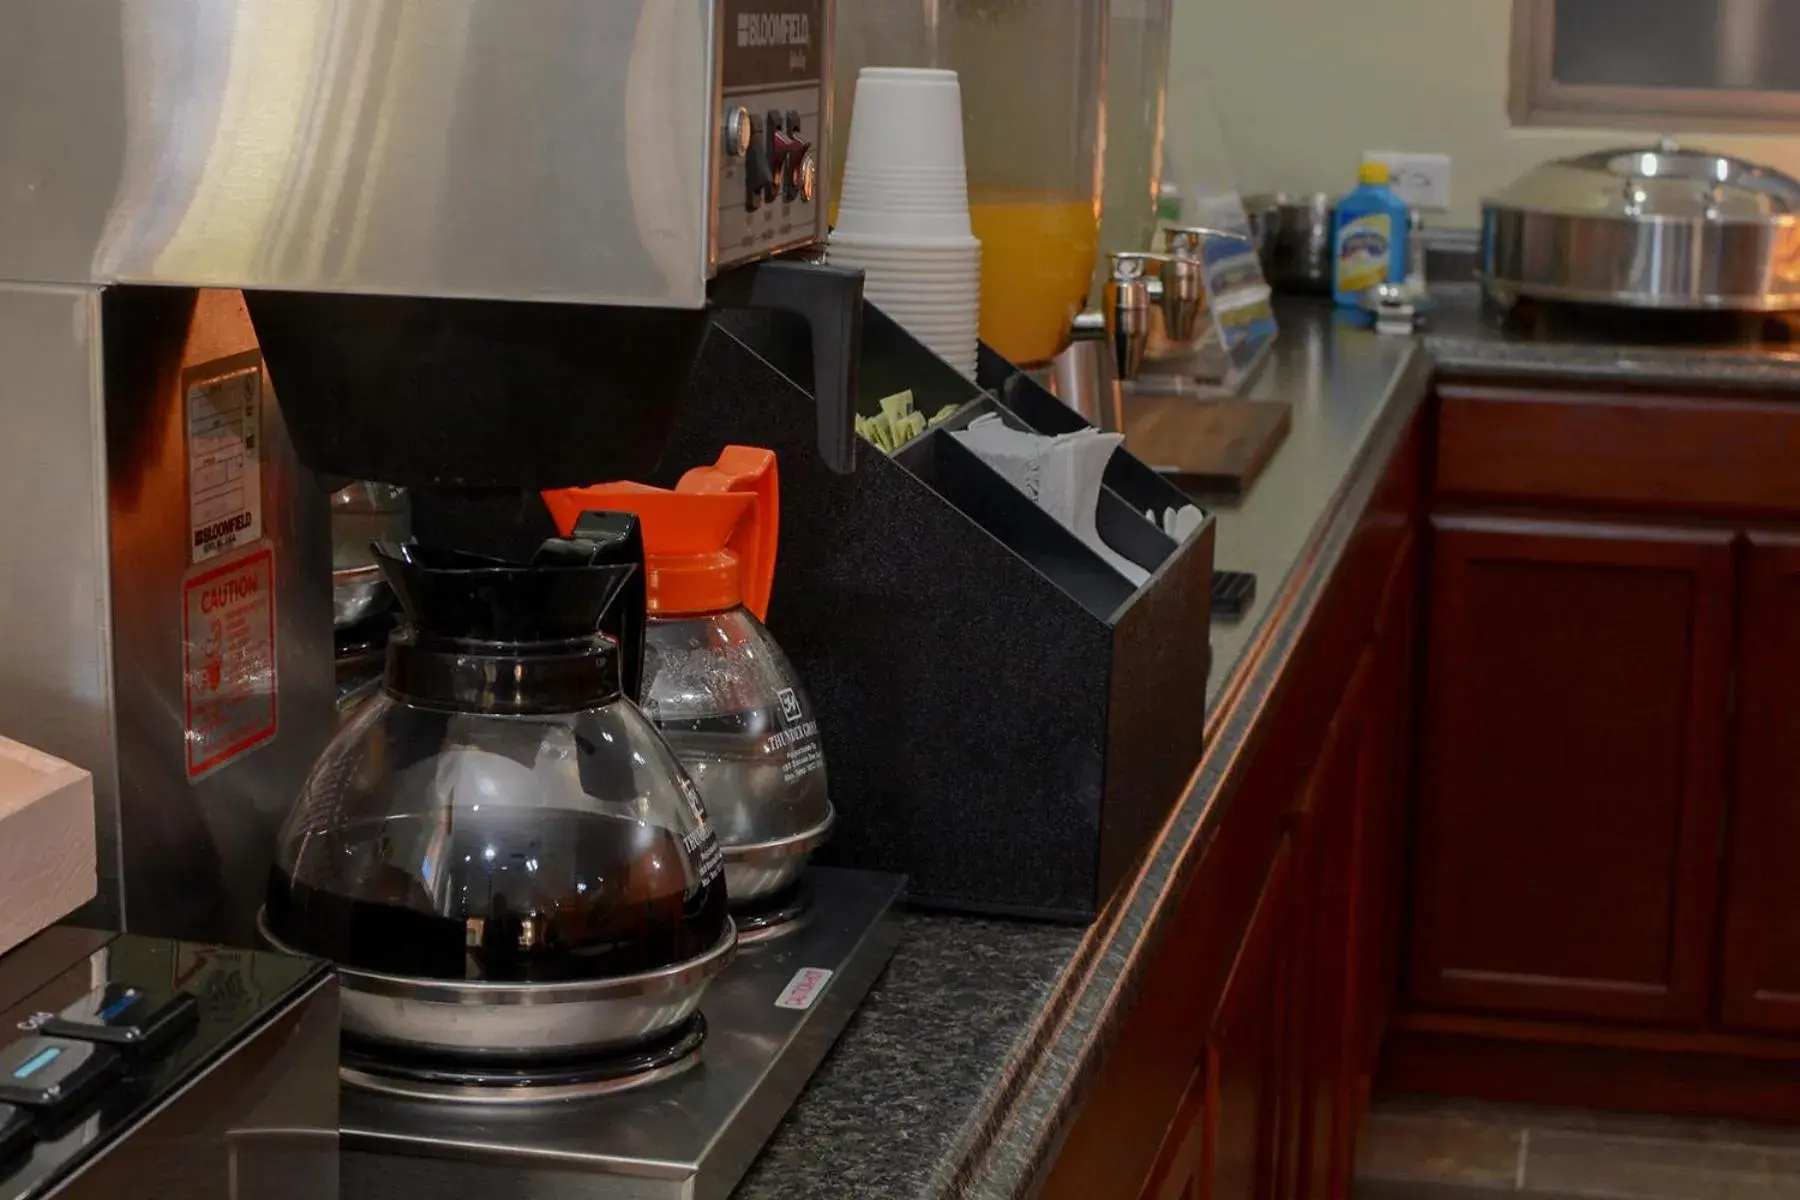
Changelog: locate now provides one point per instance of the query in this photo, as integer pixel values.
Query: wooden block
(1206, 445)
(47, 854)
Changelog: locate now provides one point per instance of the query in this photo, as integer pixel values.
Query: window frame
(1536, 98)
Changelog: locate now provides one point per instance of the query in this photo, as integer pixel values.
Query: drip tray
(770, 1019)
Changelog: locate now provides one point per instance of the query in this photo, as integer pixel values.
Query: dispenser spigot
(1126, 308)
(1183, 273)
(1189, 240)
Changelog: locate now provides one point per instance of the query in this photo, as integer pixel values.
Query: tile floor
(1454, 1150)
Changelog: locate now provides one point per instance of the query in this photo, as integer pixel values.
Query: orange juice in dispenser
(1033, 98)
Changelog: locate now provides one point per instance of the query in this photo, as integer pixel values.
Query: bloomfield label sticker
(224, 444)
(228, 644)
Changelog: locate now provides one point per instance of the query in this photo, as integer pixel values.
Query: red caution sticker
(228, 639)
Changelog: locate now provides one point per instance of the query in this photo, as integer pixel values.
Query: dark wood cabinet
(1329, 947)
(1516, 816)
(1351, 841)
(1242, 1062)
(1519, 817)
(1574, 729)
(1577, 449)
(1233, 1119)
(1180, 1172)
(1604, 873)
(1759, 966)
(1247, 1056)
(1384, 765)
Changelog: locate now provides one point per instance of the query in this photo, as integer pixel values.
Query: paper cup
(905, 118)
(904, 174)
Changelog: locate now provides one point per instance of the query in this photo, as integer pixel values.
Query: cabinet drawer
(1599, 449)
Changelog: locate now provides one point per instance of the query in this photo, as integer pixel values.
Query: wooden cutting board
(1213, 446)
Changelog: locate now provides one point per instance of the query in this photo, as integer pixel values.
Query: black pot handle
(612, 539)
(830, 300)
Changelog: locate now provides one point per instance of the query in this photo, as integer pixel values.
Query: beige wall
(1302, 87)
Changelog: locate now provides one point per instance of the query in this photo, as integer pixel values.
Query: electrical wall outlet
(1422, 180)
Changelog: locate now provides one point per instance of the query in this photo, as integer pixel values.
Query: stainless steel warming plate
(770, 1021)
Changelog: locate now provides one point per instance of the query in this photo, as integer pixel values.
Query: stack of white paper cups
(903, 210)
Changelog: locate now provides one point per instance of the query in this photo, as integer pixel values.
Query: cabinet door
(1247, 1056)
(1180, 1171)
(1385, 783)
(1330, 944)
(1231, 1120)
(1574, 728)
(1353, 839)
(1760, 962)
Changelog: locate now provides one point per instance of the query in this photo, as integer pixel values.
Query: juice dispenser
(1033, 93)
(1137, 76)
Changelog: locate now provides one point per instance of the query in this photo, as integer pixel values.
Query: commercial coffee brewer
(251, 247)
(251, 251)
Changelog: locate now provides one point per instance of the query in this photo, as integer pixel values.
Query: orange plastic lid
(709, 544)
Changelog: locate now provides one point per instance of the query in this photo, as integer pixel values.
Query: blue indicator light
(118, 1006)
(37, 1062)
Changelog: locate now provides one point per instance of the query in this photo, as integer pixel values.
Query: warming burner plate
(771, 1018)
(418, 1077)
(783, 913)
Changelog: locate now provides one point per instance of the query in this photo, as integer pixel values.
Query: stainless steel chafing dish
(1651, 227)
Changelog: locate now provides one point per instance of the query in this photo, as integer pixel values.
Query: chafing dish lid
(1648, 182)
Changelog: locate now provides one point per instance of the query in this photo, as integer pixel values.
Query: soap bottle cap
(1373, 172)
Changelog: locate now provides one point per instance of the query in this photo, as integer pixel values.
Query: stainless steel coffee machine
(252, 249)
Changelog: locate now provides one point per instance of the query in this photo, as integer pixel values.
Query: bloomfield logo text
(236, 523)
(773, 29)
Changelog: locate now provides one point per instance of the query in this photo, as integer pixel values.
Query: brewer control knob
(740, 130)
(774, 156)
(806, 178)
(759, 167)
(786, 150)
(797, 161)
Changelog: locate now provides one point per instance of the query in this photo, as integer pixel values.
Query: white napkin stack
(1062, 475)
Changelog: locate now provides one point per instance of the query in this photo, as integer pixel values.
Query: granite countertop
(1466, 336)
(962, 1070)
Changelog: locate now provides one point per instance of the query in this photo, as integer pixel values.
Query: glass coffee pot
(716, 684)
(503, 816)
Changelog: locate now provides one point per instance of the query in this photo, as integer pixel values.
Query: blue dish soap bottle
(1368, 237)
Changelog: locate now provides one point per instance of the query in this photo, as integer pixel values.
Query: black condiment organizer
(1007, 721)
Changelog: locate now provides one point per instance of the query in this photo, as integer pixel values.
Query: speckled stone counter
(1467, 337)
(970, 1058)
(886, 1111)
(971, 1053)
